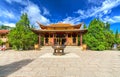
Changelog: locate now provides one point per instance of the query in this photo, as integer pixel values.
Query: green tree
(99, 36)
(84, 26)
(21, 37)
(1, 42)
(4, 27)
(116, 34)
(107, 26)
(116, 37)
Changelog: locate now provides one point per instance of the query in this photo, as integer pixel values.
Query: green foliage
(84, 26)
(42, 41)
(21, 37)
(78, 40)
(24, 21)
(1, 42)
(117, 37)
(118, 42)
(116, 34)
(107, 26)
(101, 47)
(99, 36)
(118, 47)
(3, 27)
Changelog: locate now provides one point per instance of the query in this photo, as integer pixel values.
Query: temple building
(3, 37)
(60, 33)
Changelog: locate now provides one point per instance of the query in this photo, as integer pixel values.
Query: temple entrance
(63, 41)
(60, 39)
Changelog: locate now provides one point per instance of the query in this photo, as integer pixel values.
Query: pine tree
(99, 37)
(21, 37)
(117, 39)
(116, 34)
(84, 26)
(107, 26)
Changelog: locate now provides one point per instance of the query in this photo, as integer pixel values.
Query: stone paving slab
(68, 55)
(38, 64)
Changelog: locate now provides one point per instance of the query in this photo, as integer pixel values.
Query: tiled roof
(60, 24)
(4, 31)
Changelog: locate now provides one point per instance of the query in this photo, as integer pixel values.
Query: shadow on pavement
(11, 68)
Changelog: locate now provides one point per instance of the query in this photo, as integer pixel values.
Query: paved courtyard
(75, 63)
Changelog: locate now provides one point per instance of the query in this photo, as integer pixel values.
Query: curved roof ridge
(60, 25)
(41, 26)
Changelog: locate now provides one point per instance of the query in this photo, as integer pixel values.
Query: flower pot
(36, 46)
(84, 46)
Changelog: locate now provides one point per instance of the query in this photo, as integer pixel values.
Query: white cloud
(6, 14)
(107, 11)
(96, 2)
(68, 20)
(9, 1)
(114, 19)
(45, 11)
(22, 2)
(33, 11)
(34, 14)
(105, 8)
(117, 17)
(71, 20)
(10, 24)
(81, 12)
(7, 24)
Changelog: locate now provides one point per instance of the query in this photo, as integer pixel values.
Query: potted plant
(84, 47)
(36, 46)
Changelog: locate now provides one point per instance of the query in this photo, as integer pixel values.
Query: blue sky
(65, 11)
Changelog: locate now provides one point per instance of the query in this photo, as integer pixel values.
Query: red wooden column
(53, 38)
(39, 39)
(66, 38)
(80, 39)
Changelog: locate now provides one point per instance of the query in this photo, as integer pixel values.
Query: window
(51, 35)
(74, 39)
(46, 39)
(47, 35)
(69, 35)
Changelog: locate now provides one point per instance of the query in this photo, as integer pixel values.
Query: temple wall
(50, 40)
(69, 41)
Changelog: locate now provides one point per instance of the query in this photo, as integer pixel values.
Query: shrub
(101, 47)
(1, 42)
(118, 47)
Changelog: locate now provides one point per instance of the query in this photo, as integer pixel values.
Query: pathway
(77, 63)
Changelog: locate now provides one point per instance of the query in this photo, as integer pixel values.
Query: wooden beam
(39, 40)
(80, 39)
(53, 38)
